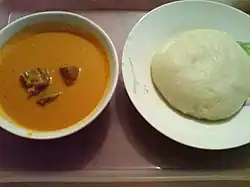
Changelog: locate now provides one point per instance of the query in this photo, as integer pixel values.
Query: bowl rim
(107, 96)
(130, 94)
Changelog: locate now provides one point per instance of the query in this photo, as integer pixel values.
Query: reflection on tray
(166, 153)
(72, 152)
(40, 5)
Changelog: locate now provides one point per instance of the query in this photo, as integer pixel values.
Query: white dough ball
(203, 73)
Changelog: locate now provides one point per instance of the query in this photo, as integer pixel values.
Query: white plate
(149, 35)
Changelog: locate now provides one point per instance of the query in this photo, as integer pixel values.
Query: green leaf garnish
(245, 46)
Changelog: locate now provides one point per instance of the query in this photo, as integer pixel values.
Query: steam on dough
(204, 74)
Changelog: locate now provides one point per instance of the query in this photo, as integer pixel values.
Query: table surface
(120, 144)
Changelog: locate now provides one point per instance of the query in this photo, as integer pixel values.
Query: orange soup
(51, 46)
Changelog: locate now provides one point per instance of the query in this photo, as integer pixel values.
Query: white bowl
(70, 18)
(149, 35)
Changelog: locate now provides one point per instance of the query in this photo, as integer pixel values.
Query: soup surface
(51, 45)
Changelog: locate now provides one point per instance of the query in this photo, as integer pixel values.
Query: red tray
(119, 145)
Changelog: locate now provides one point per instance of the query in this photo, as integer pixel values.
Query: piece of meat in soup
(69, 74)
(35, 80)
(48, 98)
